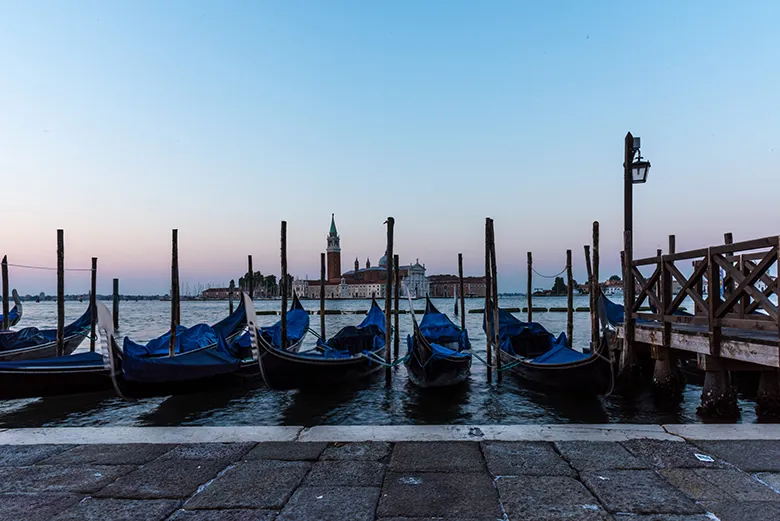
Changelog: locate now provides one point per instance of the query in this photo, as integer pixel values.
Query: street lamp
(639, 167)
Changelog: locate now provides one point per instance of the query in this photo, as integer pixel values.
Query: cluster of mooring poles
(60, 269)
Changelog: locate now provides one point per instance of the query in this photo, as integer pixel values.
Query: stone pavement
(632, 480)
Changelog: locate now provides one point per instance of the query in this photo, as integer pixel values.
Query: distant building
(445, 286)
(217, 294)
(365, 282)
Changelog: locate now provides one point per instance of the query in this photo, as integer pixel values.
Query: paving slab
(331, 504)
(366, 451)
(93, 435)
(726, 431)
(94, 509)
(438, 519)
(22, 455)
(228, 452)
(548, 498)
(638, 492)
(771, 479)
(235, 514)
(34, 507)
(58, 478)
(744, 510)
(443, 456)
(740, 485)
(694, 485)
(662, 517)
(670, 454)
(163, 478)
(524, 458)
(439, 494)
(266, 484)
(598, 455)
(287, 450)
(749, 455)
(103, 454)
(346, 474)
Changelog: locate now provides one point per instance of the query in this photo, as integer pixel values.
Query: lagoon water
(368, 402)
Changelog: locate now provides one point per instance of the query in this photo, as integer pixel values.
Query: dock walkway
(533, 472)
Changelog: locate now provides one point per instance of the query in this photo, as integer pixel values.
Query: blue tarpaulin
(369, 335)
(560, 354)
(187, 339)
(32, 336)
(60, 362)
(297, 325)
(525, 339)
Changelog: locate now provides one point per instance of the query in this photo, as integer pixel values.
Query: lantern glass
(639, 171)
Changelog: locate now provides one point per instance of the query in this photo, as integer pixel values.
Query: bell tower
(334, 252)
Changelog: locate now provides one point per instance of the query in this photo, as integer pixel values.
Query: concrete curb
(390, 433)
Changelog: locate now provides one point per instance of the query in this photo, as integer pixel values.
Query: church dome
(383, 260)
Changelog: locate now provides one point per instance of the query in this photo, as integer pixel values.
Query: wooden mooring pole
(591, 306)
(283, 285)
(569, 300)
(388, 298)
(6, 318)
(488, 305)
(595, 291)
(462, 293)
(494, 294)
(396, 303)
(60, 293)
(231, 291)
(251, 279)
(174, 291)
(115, 304)
(529, 290)
(322, 296)
(92, 305)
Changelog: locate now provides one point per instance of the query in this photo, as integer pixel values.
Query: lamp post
(635, 171)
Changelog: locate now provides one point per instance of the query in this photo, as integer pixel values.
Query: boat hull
(441, 372)
(589, 376)
(48, 350)
(33, 383)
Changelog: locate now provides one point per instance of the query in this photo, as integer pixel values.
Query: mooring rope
(375, 358)
(549, 276)
(46, 268)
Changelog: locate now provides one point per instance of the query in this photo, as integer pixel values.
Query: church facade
(360, 282)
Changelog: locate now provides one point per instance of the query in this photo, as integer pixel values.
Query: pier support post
(60, 293)
(768, 396)
(396, 303)
(718, 397)
(6, 318)
(668, 382)
(115, 306)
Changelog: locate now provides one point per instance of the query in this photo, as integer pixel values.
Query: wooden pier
(734, 325)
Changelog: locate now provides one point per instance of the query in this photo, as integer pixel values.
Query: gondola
(15, 314)
(536, 356)
(297, 327)
(201, 352)
(32, 343)
(438, 351)
(349, 355)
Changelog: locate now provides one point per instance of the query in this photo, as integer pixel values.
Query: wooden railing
(739, 268)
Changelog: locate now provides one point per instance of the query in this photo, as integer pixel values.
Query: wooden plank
(646, 288)
(685, 255)
(713, 301)
(647, 261)
(683, 319)
(647, 316)
(749, 323)
(686, 286)
(710, 363)
(746, 284)
(754, 244)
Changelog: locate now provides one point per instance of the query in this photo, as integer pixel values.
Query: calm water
(369, 402)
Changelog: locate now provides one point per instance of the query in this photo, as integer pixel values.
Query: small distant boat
(349, 355)
(15, 313)
(32, 343)
(438, 351)
(538, 357)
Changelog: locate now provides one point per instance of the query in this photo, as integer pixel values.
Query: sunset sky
(122, 120)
